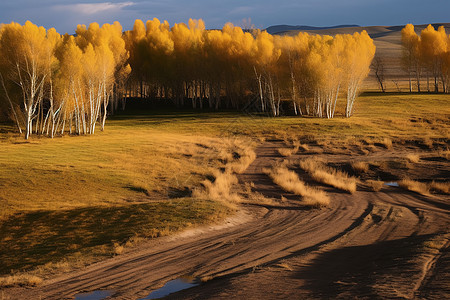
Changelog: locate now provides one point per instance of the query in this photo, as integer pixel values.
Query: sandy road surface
(364, 245)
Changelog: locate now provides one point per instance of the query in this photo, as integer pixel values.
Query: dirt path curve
(242, 258)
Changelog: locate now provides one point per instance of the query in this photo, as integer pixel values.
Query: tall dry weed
(414, 186)
(240, 155)
(442, 187)
(220, 189)
(360, 166)
(376, 185)
(20, 280)
(288, 151)
(321, 173)
(445, 154)
(290, 182)
(387, 143)
(413, 158)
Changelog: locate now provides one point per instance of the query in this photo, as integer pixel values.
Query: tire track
(274, 233)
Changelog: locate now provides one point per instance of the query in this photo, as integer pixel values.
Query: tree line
(51, 83)
(224, 67)
(427, 56)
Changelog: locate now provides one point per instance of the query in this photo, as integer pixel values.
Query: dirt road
(368, 244)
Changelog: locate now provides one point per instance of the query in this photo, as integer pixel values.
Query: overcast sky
(64, 15)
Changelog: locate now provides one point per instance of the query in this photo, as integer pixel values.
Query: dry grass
(445, 154)
(285, 266)
(206, 278)
(360, 166)
(20, 280)
(436, 243)
(290, 151)
(117, 167)
(118, 249)
(290, 182)
(220, 188)
(414, 186)
(44, 182)
(238, 155)
(441, 187)
(287, 151)
(413, 158)
(252, 196)
(327, 175)
(108, 177)
(387, 143)
(426, 141)
(304, 147)
(376, 185)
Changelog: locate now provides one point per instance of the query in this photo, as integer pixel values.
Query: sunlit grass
(322, 173)
(82, 197)
(115, 167)
(290, 182)
(391, 116)
(144, 159)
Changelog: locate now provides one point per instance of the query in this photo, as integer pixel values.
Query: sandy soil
(365, 245)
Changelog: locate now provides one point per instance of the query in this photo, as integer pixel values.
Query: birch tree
(27, 50)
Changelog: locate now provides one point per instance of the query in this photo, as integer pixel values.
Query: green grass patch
(36, 238)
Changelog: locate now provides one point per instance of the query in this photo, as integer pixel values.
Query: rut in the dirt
(353, 248)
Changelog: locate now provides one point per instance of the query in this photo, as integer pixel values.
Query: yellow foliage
(186, 61)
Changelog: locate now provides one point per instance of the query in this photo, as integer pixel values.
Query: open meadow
(309, 194)
(227, 163)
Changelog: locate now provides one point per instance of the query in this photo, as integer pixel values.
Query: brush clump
(290, 182)
(324, 174)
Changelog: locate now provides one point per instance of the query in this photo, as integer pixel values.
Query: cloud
(92, 8)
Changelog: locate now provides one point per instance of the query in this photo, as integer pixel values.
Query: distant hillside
(387, 39)
(283, 28)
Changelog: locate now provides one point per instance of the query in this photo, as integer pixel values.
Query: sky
(64, 15)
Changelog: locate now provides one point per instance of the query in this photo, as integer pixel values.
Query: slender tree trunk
(11, 104)
(410, 84)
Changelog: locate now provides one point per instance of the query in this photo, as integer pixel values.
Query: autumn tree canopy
(427, 54)
(52, 83)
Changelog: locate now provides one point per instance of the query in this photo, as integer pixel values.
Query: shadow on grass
(36, 238)
(374, 271)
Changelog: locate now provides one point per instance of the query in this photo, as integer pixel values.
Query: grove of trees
(427, 55)
(51, 83)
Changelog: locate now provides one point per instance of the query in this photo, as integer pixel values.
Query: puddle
(95, 295)
(172, 287)
(392, 184)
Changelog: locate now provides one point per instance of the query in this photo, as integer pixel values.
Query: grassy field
(393, 115)
(77, 198)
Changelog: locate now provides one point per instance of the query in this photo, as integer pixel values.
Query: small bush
(287, 151)
(387, 143)
(304, 147)
(445, 154)
(360, 166)
(290, 182)
(414, 186)
(20, 280)
(442, 187)
(413, 158)
(376, 185)
(327, 175)
(118, 249)
(220, 188)
(426, 141)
